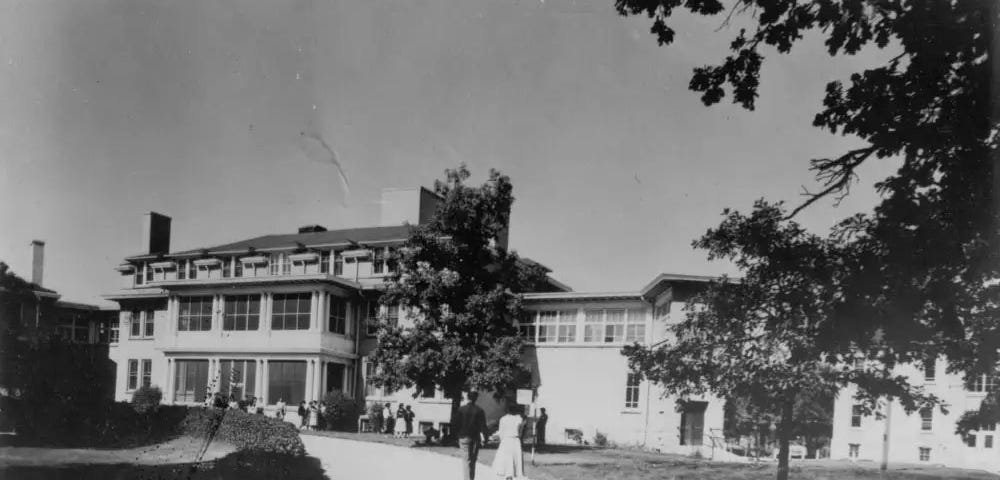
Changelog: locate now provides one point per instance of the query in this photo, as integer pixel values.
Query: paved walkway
(354, 460)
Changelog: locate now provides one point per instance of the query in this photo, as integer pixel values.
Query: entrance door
(693, 423)
(334, 377)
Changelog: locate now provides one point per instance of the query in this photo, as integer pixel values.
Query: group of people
(512, 428)
(309, 415)
(249, 404)
(398, 425)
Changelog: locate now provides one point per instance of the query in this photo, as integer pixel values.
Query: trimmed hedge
(246, 431)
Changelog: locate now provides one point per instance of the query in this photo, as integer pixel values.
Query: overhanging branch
(836, 175)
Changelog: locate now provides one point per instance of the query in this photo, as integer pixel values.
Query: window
(547, 326)
(856, 413)
(983, 383)
(138, 274)
(133, 374)
(593, 326)
(291, 311)
(378, 260)
(227, 270)
(427, 390)
(970, 440)
(925, 454)
(241, 312)
(147, 323)
(526, 326)
(192, 270)
(988, 441)
(182, 266)
(149, 273)
(237, 267)
(324, 261)
(661, 311)
(371, 318)
(286, 380)
(190, 380)
(280, 264)
(338, 263)
(853, 449)
(338, 315)
(567, 326)
(632, 391)
(614, 326)
(391, 262)
(113, 330)
(195, 314)
(929, 371)
(147, 372)
(238, 378)
(370, 389)
(926, 419)
(392, 314)
(635, 328)
(135, 324)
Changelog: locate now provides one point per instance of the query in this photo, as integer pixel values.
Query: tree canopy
(770, 337)
(923, 276)
(462, 288)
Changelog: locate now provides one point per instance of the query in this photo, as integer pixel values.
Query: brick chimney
(37, 261)
(155, 233)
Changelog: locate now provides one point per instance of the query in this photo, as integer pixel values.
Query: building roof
(584, 296)
(665, 280)
(292, 240)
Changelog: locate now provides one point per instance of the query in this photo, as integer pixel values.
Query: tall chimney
(155, 233)
(37, 261)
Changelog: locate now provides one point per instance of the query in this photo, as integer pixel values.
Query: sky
(214, 113)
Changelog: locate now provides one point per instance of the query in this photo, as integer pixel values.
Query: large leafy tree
(462, 288)
(812, 419)
(766, 338)
(924, 278)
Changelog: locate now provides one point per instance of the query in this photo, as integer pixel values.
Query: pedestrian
(409, 421)
(399, 429)
(388, 419)
(376, 420)
(509, 461)
(543, 420)
(313, 416)
(471, 434)
(303, 413)
(281, 409)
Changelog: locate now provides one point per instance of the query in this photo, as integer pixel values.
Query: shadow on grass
(237, 466)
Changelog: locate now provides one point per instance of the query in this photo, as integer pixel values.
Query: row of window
(277, 264)
(599, 326)
(285, 379)
(289, 311)
(140, 373)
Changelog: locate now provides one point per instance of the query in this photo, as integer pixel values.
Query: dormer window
(338, 263)
(279, 264)
(378, 260)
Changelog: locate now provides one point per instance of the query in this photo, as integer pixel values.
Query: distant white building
(923, 437)
(287, 317)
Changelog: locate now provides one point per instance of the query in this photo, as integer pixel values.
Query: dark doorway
(693, 423)
(334, 377)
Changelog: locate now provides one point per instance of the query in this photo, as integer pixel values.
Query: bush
(600, 439)
(340, 412)
(146, 399)
(245, 431)
(375, 417)
(575, 435)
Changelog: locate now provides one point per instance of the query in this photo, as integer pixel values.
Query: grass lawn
(588, 463)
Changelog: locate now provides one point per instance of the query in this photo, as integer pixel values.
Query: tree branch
(836, 175)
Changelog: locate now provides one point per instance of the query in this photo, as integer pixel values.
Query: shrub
(600, 439)
(375, 416)
(340, 412)
(575, 435)
(146, 399)
(246, 431)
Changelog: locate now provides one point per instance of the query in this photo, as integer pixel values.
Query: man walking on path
(471, 432)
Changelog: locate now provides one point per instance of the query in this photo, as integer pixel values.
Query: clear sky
(197, 109)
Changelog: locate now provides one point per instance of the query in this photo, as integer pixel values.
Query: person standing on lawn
(303, 414)
(543, 419)
(313, 416)
(388, 419)
(281, 409)
(471, 432)
(409, 420)
(509, 461)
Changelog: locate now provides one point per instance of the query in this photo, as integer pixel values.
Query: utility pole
(885, 435)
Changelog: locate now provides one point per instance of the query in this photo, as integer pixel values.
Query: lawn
(588, 463)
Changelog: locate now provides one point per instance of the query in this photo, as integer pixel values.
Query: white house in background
(926, 436)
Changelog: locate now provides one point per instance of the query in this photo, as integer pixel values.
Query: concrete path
(353, 460)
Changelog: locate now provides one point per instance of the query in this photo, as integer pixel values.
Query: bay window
(195, 314)
(190, 380)
(286, 380)
(241, 312)
(291, 311)
(338, 315)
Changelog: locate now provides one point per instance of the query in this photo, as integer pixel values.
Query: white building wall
(906, 435)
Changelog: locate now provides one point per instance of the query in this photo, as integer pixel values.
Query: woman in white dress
(509, 463)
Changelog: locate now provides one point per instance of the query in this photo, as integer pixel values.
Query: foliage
(988, 413)
(575, 435)
(812, 420)
(771, 337)
(246, 431)
(600, 439)
(146, 398)
(923, 282)
(340, 412)
(461, 285)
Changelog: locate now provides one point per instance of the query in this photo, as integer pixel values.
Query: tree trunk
(456, 402)
(784, 438)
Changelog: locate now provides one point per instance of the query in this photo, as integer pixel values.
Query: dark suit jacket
(471, 422)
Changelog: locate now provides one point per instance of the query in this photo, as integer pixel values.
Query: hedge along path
(245, 431)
